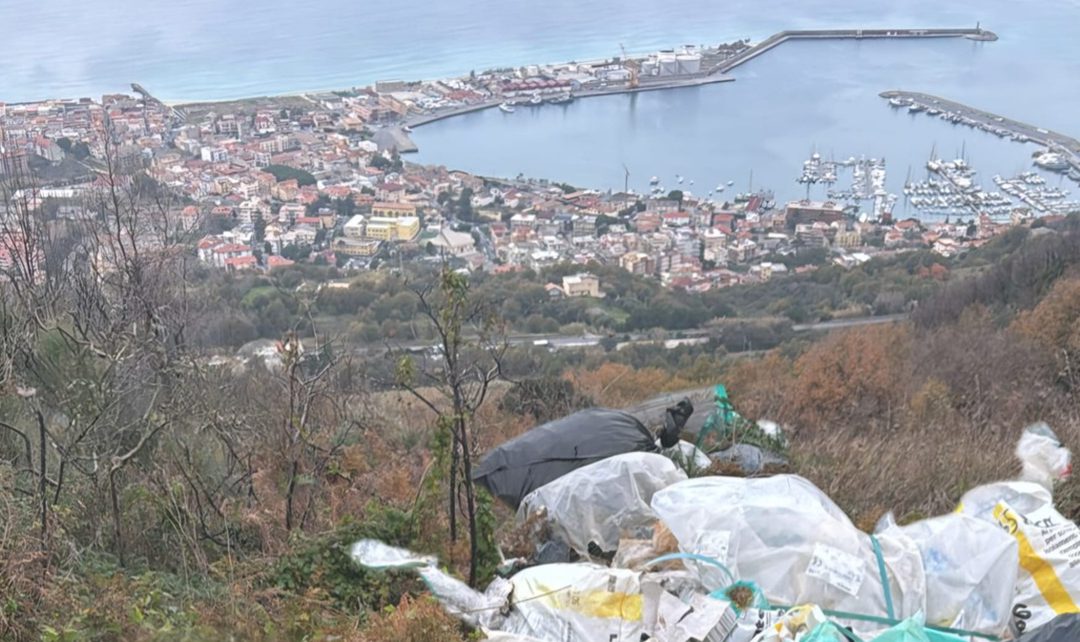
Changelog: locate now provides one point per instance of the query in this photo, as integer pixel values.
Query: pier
(1055, 141)
(148, 98)
(778, 39)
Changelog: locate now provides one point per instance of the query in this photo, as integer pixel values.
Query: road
(564, 342)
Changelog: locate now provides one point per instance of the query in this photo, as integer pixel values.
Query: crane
(632, 66)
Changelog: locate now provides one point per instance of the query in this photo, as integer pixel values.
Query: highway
(565, 342)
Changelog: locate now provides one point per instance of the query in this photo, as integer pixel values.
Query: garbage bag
(603, 501)
(675, 419)
(575, 603)
(791, 540)
(1063, 628)
(1048, 578)
(654, 412)
(970, 568)
(518, 467)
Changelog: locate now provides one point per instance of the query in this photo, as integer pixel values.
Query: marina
(1062, 153)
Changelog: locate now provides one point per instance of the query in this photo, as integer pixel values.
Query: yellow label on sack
(603, 604)
(1042, 572)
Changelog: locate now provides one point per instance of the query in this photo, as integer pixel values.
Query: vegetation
(151, 492)
(284, 173)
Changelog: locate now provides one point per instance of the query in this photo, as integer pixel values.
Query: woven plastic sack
(791, 540)
(1048, 544)
(575, 603)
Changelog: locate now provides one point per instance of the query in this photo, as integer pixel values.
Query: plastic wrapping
(914, 630)
(970, 570)
(604, 501)
(1045, 461)
(479, 609)
(788, 537)
(688, 457)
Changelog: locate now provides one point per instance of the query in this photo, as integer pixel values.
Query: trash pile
(651, 549)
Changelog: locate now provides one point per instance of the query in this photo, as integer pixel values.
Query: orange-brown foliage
(855, 373)
(413, 620)
(1055, 322)
(616, 385)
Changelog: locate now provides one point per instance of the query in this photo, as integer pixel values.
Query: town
(266, 183)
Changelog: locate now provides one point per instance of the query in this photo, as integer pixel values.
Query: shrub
(413, 620)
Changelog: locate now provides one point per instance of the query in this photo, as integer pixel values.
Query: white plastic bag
(575, 603)
(603, 501)
(970, 568)
(785, 535)
(687, 456)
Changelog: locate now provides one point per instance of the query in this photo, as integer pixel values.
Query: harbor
(536, 85)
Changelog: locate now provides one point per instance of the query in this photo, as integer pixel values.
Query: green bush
(323, 563)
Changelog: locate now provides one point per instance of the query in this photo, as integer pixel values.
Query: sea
(803, 97)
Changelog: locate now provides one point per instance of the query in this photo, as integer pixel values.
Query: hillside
(152, 496)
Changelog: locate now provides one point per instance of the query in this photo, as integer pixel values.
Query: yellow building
(848, 239)
(384, 228)
(392, 210)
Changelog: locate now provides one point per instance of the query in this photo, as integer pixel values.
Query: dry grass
(413, 620)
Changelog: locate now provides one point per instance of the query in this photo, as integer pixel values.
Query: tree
(466, 369)
(260, 228)
(284, 173)
(463, 207)
(96, 346)
(378, 161)
(676, 195)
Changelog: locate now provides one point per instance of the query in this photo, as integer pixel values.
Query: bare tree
(96, 308)
(469, 353)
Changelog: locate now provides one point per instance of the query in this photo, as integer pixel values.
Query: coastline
(722, 68)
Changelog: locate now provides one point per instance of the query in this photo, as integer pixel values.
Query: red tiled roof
(230, 248)
(241, 261)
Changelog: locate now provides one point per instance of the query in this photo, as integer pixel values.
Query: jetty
(777, 39)
(1055, 141)
(149, 98)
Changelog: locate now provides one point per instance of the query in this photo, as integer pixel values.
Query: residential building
(453, 243)
(392, 210)
(583, 284)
